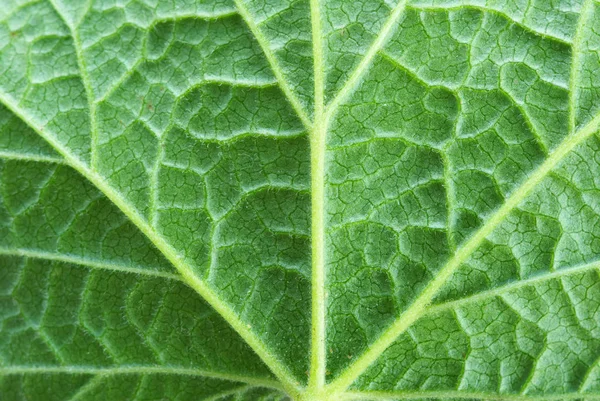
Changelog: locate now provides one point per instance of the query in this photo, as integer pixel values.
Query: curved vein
(85, 262)
(490, 10)
(138, 370)
(171, 254)
(420, 305)
(275, 67)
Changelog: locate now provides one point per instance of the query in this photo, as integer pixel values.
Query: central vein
(318, 133)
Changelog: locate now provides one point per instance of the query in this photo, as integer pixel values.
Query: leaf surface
(311, 199)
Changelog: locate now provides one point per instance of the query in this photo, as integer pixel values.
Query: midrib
(316, 379)
(317, 129)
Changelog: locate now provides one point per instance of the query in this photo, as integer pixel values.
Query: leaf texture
(313, 200)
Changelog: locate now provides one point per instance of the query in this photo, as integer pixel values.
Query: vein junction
(323, 115)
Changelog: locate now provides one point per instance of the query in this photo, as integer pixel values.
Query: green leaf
(314, 200)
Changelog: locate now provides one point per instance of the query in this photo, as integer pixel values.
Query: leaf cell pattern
(299, 199)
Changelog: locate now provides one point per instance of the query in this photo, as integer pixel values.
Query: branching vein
(274, 63)
(187, 273)
(420, 305)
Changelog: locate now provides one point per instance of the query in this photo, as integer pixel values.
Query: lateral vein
(85, 262)
(565, 272)
(382, 38)
(419, 306)
(277, 367)
(417, 395)
(141, 370)
(275, 67)
(85, 79)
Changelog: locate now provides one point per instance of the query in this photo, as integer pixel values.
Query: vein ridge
(318, 135)
(421, 303)
(419, 306)
(85, 262)
(352, 82)
(279, 369)
(139, 369)
(277, 71)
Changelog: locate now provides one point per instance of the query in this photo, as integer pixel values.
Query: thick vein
(419, 306)
(419, 395)
(386, 32)
(85, 262)
(502, 290)
(139, 370)
(275, 67)
(317, 156)
(172, 255)
(87, 387)
(8, 155)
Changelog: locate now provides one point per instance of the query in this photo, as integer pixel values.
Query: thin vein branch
(138, 370)
(419, 306)
(275, 67)
(85, 78)
(586, 13)
(350, 86)
(91, 384)
(90, 263)
(499, 291)
(187, 272)
(8, 155)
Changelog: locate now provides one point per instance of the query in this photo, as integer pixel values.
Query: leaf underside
(313, 200)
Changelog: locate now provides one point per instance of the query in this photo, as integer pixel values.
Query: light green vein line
(419, 306)
(350, 85)
(235, 392)
(489, 10)
(279, 369)
(275, 67)
(137, 370)
(586, 13)
(400, 395)
(96, 264)
(316, 380)
(588, 379)
(85, 78)
(88, 387)
(31, 158)
(565, 272)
